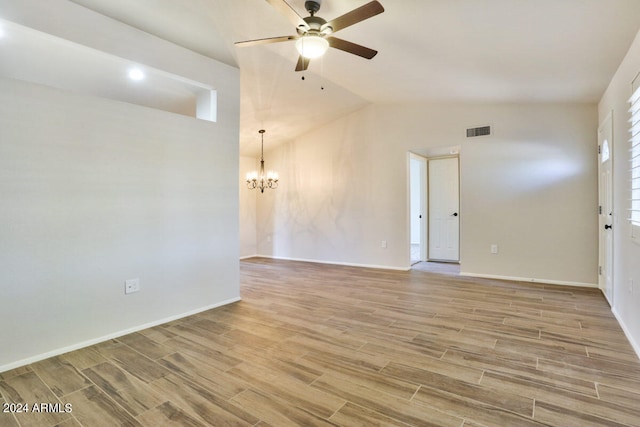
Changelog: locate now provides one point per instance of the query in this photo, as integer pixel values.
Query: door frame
(605, 242)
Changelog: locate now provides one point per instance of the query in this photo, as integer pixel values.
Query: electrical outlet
(384, 244)
(494, 249)
(131, 286)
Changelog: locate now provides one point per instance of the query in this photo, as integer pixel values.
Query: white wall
(248, 208)
(626, 299)
(94, 192)
(530, 188)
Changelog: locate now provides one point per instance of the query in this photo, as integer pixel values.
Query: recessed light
(136, 74)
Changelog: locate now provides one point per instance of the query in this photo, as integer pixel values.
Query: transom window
(605, 151)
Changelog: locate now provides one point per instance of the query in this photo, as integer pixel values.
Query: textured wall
(94, 192)
(530, 188)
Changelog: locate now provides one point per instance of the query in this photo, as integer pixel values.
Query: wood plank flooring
(323, 345)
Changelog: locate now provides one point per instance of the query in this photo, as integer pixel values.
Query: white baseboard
(248, 256)
(626, 331)
(530, 280)
(107, 337)
(348, 264)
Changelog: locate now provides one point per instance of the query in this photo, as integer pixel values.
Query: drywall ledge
(72, 66)
(111, 336)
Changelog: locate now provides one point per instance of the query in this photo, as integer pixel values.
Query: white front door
(605, 217)
(444, 206)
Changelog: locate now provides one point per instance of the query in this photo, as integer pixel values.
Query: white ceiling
(429, 51)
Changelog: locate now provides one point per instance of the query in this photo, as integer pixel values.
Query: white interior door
(444, 205)
(605, 217)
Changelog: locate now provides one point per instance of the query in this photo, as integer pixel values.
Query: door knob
(455, 214)
(608, 227)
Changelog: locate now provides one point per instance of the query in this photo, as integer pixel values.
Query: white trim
(627, 332)
(348, 264)
(634, 160)
(531, 280)
(249, 256)
(107, 337)
(635, 80)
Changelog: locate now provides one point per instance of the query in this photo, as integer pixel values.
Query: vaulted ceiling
(434, 51)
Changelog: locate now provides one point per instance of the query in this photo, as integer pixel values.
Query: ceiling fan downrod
(312, 6)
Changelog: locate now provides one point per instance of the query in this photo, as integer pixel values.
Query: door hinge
(599, 210)
(600, 270)
(599, 149)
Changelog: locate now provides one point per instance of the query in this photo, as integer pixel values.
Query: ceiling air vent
(479, 131)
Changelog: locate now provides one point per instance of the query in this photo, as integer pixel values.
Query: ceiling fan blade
(303, 63)
(265, 41)
(356, 15)
(288, 12)
(353, 48)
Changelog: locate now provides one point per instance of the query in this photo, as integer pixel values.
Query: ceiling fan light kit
(312, 46)
(315, 34)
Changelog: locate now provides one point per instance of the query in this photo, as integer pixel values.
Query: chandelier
(259, 179)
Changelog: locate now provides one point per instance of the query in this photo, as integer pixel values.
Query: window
(634, 130)
(605, 151)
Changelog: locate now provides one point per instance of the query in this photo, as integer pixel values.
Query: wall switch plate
(494, 249)
(630, 286)
(384, 244)
(131, 286)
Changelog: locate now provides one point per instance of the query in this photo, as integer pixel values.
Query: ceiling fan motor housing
(315, 23)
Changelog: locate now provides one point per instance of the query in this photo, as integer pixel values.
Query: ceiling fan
(315, 34)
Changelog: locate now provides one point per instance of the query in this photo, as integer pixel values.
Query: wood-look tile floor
(313, 345)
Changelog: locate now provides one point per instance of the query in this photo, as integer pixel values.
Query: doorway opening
(418, 207)
(434, 214)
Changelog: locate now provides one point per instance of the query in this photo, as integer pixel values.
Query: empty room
(320, 213)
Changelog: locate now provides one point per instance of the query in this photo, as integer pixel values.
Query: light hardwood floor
(314, 344)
